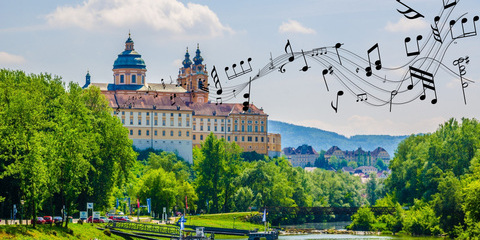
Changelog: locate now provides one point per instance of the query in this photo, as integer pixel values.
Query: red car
(95, 220)
(39, 220)
(48, 219)
(119, 218)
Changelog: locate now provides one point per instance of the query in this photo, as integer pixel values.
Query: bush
(363, 220)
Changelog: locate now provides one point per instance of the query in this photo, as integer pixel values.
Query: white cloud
(7, 58)
(293, 26)
(406, 25)
(160, 15)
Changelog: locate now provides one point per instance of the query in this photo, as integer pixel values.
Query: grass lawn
(225, 220)
(75, 231)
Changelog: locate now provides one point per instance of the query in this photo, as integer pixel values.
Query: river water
(347, 236)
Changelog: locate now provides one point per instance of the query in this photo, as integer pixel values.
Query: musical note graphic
(464, 34)
(448, 5)
(427, 81)
(217, 101)
(339, 93)
(306, 67)
(436, 32)
(409, 10)
(378, 63)
(392, 94)
(290, 59)
(317, 51)
(337, 46)
(172, 98)
(216, 80)
(246, 104)
(413, 53)
(462, 72)
(271, 62)
(361, 97)
(325, 72)
(163, 84)
(235, 74)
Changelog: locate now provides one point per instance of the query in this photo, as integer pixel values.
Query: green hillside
(294, 136)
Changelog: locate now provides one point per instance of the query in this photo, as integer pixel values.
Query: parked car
(57, 219)
(95, 220)
(119, 218)
(39, 220)
(48, 219)
(104, 219)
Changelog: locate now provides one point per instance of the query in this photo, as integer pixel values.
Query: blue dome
(129, 58)
(198, 59)
(187, 62)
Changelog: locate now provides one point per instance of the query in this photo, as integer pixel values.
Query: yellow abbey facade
(177, 117)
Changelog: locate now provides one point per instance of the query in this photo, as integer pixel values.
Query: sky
(67, 37)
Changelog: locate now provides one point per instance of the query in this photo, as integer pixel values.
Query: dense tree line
(59, 146)
(437, 176)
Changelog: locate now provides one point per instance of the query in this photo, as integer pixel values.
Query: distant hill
(294, 136)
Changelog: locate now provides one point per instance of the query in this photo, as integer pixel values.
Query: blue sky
(66, 38)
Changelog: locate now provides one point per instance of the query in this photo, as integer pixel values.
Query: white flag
(264, 215)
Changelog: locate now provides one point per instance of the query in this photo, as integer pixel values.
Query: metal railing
(145, 227)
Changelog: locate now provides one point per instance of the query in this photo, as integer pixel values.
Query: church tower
(129, 67)
(193, 76)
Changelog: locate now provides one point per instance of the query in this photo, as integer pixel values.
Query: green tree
(161, 187)
(363, 220)
(372, 186)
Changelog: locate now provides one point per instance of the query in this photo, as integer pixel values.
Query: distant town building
(366, 170)
(178, 116)
(302, 156)
(359, 155)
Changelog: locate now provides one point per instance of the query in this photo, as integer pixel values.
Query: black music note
(281, 68)
(321, 51)
(337, 46)
(392, 94)
(413, 53)
(290, 59)
(465, 34)
(220, 101)
(163, 84)
(216, 80)
(409, 10)
(271, 62)
(235, 74)
(234, 93)
(447, 4)
(339, 93)
(325, 72)
(462, 71)
(436, 32)
(172, 98)
(427, 80)
(358, 69)
(378, 63)
(361, 97)
(306, 67)
(246, 104)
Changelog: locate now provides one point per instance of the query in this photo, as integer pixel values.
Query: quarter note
(409, 10)
(306, 67)
(378, 63)
(337, 46)
(325, 72)
(163, 84)
(172, 98)
(216, 80)
(339, 93)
